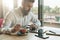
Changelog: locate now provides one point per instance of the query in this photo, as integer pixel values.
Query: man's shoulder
(13, 11)
(17, 9)
(31, 13)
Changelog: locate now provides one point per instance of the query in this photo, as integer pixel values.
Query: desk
(30, 36)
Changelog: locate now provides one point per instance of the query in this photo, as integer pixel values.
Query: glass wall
(51, 12)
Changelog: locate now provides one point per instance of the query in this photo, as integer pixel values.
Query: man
(22, 16)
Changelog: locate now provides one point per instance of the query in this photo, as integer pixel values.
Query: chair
(1, 22)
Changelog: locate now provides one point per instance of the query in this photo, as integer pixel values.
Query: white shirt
(13, 19)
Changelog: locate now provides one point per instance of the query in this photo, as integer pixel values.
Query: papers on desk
(55, 30)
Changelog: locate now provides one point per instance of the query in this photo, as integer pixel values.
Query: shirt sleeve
(35, 20)
(8, 21)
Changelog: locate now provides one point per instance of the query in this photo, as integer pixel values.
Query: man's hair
(29, 0)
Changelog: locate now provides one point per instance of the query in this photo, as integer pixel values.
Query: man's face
(26, 7)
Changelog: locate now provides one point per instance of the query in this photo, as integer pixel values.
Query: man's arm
(8, 21)
(36, 22)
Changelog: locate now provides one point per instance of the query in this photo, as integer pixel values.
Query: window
(51, 12)
(7, 6)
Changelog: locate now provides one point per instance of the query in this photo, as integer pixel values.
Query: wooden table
(30, 36)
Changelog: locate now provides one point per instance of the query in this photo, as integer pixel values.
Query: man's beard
(25, 12)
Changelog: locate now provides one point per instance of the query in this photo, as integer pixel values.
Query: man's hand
(23, 31)
(33, 27)
(16, 28)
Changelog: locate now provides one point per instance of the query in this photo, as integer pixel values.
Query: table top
(30, 36)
